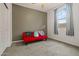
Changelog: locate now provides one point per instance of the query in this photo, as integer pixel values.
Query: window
(61, 14)
(63, 21)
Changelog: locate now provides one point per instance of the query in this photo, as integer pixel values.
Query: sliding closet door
(0, 27)
(3, 26)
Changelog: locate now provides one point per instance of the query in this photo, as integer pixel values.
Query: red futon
(31, 38)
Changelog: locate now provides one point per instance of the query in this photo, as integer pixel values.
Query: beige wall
(74, 40)
(25, 19)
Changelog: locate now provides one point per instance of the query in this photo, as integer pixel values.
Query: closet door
(3, 25)
(1, 43)
(0, 25)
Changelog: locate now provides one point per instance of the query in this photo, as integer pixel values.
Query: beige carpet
(41, 48)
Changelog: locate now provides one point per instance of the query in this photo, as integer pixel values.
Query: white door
(3, 26)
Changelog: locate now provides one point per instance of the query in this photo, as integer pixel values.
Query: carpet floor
(41, 48)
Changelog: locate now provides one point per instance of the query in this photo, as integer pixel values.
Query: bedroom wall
(25, 19)
(74, 40)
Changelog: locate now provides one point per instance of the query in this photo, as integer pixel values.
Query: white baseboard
(17, 41)
(2, 50)
(9, 44)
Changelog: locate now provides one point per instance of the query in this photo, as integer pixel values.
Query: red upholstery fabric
(27, 39)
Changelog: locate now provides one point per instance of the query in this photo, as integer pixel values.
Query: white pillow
(36, 34)
(41, 32)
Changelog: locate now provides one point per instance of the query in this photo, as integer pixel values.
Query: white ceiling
(38, 6)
